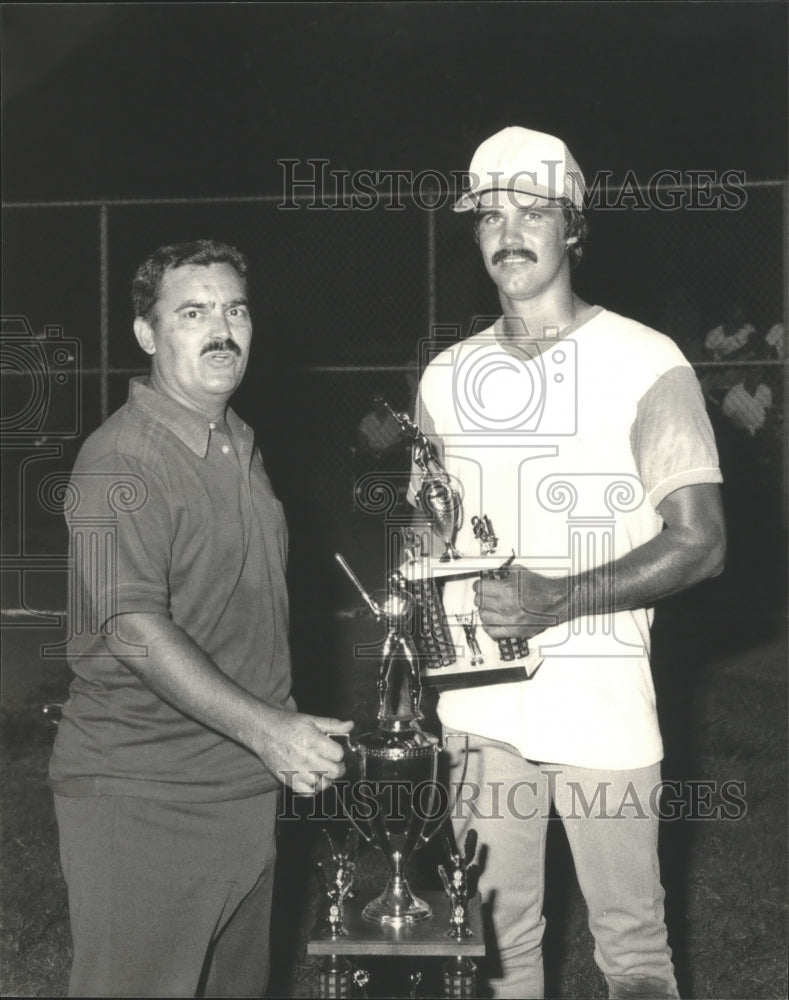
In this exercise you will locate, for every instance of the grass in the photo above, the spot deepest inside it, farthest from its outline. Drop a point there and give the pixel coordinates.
(35, 944)
(722, 692)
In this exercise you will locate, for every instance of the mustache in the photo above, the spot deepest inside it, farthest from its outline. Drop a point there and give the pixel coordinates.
(501, 255)
(218, 344)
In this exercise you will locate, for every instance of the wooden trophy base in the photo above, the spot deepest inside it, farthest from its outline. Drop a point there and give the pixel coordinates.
(425, 938)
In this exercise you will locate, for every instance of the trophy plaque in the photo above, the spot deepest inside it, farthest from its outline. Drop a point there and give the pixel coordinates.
(455, 649)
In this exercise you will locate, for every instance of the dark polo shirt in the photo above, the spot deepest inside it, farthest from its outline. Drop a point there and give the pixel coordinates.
(172, 515)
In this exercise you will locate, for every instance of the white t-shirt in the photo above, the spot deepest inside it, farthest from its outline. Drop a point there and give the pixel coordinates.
(569, 453)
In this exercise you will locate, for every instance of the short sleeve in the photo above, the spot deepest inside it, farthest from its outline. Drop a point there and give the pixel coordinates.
(671, 438)
(120, 540)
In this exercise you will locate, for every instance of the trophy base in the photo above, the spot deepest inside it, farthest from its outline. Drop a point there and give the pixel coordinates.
(397, 906)
(445, 677)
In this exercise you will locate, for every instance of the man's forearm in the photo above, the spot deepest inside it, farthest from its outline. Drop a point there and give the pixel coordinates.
(177, 670)
(666, 565)
(294, 746)
(690, 549)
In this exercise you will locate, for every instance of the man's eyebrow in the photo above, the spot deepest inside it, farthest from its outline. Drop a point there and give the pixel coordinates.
(191, 304)
(198, 304)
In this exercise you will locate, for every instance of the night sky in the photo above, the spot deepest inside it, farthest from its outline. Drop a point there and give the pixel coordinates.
(202, 100)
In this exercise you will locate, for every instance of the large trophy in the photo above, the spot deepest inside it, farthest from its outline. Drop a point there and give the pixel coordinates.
(395, 767)
(440, 501)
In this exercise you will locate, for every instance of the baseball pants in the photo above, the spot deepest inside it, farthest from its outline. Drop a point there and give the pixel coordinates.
(612, 826)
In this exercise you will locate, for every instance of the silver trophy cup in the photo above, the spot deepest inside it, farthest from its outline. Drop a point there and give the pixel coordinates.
(397, 803)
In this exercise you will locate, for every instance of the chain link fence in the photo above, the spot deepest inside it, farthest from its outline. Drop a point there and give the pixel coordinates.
(342, 300)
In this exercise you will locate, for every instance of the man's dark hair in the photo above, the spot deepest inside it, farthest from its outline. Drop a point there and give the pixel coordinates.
(148, 279)
(575, 226)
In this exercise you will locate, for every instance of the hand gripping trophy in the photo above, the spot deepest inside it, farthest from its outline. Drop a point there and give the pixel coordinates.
(397, 763)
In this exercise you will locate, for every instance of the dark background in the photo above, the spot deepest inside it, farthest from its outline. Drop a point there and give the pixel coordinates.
(190, 100)
(161, 113)
(126, 125)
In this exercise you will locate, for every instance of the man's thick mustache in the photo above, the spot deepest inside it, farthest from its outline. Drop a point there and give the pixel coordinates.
(501, 255)
(221, 345)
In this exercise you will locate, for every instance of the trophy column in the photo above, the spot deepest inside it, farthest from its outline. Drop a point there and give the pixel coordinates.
(459, 977)
(335, 976)
(422, 940)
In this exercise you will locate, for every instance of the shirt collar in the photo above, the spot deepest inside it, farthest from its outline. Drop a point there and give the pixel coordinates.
(505, 324)
(188, 426)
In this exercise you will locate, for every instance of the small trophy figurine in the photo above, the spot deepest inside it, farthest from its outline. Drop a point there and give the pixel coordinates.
(361, 977)
(437, 497)
(399, 657)
(459, 974)
(412, 546)
(483, 532)
(469, 630)
(338, 881)
(399, 682)
(460, 883)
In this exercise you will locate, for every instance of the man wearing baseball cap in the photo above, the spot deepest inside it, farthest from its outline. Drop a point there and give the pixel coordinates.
(582, 435)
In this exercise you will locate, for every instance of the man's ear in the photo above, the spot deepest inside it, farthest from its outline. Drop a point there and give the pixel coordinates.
(143, 331)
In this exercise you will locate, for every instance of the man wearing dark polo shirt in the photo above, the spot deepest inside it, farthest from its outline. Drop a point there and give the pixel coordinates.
(180, 725)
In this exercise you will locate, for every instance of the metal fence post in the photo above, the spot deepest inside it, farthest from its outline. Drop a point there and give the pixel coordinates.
(104, 349)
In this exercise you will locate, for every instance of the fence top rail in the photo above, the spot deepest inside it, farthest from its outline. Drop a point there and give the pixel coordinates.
(337, 197)
(11, 373)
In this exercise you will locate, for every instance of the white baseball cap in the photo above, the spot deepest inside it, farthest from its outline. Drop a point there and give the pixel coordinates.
(523, 161)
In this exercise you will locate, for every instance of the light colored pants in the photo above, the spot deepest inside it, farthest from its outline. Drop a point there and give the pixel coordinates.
(168, 899)
(612, 829)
